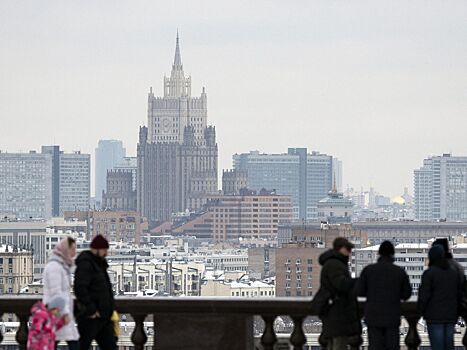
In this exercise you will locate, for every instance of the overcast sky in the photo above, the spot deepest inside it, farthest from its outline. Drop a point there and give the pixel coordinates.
(379, 84)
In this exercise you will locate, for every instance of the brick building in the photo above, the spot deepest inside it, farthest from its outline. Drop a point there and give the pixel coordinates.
(249, 215)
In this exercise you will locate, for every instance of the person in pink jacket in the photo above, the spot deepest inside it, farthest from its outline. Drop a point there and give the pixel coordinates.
(45, 321)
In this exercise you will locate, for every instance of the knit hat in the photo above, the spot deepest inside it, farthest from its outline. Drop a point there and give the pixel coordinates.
(99, 242)
(56, 302)
(340, 242)
(386, 249)
(443, 242)
(436, 252)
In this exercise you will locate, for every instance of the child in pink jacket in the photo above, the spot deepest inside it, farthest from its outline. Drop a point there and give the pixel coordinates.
(46, 320)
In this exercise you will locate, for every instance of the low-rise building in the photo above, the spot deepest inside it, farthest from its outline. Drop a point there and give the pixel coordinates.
(219, 286)
(16, 268)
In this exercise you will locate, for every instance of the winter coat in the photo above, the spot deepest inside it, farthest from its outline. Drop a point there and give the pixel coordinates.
(440, 293)
(92, 286)
(57, 281)
(342, 319)
(384, 285)
(43, 326)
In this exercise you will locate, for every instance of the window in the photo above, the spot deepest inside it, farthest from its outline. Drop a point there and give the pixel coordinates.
(310, 269)
(309, 261)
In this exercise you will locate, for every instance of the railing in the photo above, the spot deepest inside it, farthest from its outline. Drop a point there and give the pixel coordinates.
(209, 323)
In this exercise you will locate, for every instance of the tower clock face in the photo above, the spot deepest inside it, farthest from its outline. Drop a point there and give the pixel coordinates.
(166, 125)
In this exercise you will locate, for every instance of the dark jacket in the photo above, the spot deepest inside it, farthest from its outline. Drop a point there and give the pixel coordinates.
(384, 285)
(439, 293)
(342, 318)
(92, 286)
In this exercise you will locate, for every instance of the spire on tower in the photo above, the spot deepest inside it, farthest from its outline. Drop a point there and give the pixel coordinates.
(177, 59)
(334, 186)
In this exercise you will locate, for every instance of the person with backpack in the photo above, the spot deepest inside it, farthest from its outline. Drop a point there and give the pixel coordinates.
(46, 320)
(384, 285)
(95, 298)
(439, 297)
(341, 321)
(57, 281)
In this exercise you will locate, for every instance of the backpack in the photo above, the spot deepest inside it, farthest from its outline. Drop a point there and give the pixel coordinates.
(322, 301)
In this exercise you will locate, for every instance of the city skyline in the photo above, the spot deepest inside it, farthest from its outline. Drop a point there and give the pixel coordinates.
(401, 67)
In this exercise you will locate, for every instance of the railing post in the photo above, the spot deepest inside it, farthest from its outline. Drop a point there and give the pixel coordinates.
(297, 338)
(323, 341)
(464, 338)
(139, 337)
(412, 339)
(268, 339)
(22, 333)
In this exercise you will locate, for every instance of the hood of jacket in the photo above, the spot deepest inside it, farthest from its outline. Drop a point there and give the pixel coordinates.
(37, 307)
(87, 255)
(332, 254)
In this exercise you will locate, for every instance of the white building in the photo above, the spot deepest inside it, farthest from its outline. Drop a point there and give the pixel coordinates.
(26, 185)
(440, 189)
(218, 284)
(75, 179)
(174, 278)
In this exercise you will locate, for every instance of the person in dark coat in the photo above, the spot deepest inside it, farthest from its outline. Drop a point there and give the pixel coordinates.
(438, 299)
(94, 296)
(341, 324)
(384, 285)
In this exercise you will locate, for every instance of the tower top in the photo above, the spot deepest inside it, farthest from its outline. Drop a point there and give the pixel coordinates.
(177, 58)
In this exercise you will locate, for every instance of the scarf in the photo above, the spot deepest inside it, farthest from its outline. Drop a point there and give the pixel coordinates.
(63, 250)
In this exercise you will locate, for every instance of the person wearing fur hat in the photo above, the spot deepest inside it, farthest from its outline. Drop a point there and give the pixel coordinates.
(439, 296)
(94, 295)
(384, 285)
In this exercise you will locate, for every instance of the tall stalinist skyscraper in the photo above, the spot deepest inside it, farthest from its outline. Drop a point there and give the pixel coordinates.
(168, 116)
(177, 152)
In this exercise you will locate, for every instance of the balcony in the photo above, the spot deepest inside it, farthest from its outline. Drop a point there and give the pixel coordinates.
(211, 323)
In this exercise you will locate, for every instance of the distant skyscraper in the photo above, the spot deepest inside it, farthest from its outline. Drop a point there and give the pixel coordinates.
(108, 154)
(177, 152)
(26, 185)
(307, 178)
(70, 180)
(440, 189)
(75, 181)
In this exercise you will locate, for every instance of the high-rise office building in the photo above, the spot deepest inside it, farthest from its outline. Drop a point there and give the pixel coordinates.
(108, 154)
(177, 152)
(26, 185)
(71, 175)
(306, 177)
(440, 189)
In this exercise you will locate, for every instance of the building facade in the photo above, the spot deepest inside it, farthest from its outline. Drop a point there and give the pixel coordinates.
(307, 178)
(249, 215)
(71, 180)
(118, 226)
(335, 209)
(233, 181)
(177, 152)
(75, 181)
(16, 268)
(440, 189)
(297, 269)
(107, 154)
(26, 185)
(119, 193)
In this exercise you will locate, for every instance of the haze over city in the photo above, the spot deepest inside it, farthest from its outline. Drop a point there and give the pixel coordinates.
(379, 85)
